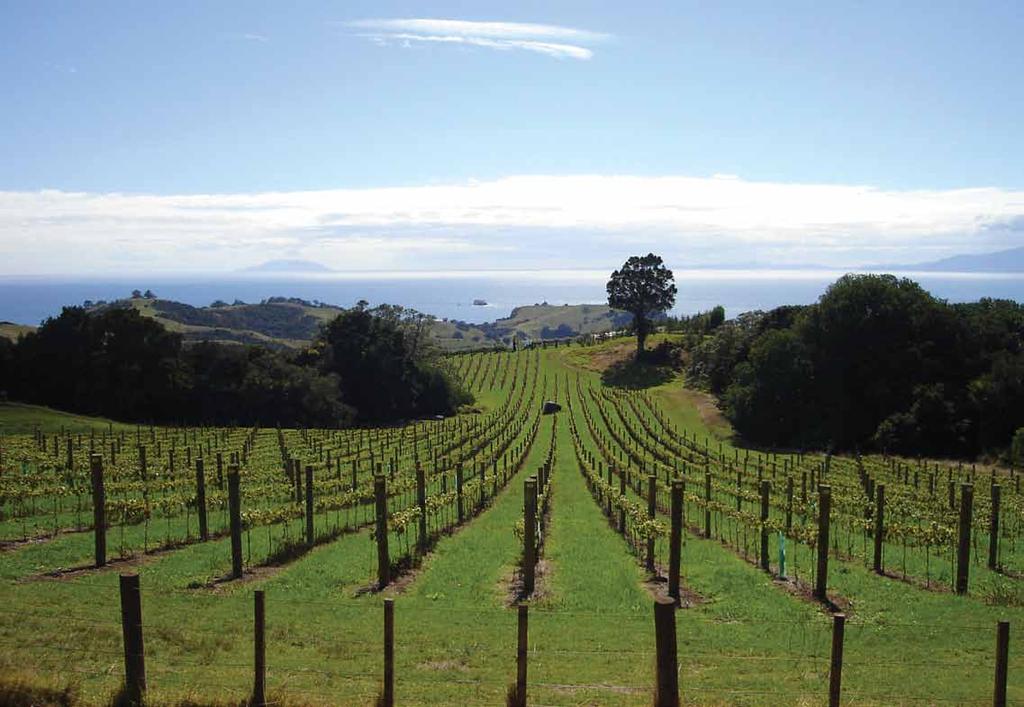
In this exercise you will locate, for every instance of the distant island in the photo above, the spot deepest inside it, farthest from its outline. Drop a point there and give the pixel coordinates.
(288, 266)
(1011, 260)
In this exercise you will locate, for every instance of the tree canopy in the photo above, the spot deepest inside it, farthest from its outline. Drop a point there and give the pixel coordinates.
(644, 287)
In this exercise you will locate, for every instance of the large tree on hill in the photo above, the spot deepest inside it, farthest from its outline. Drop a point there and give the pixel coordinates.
(644, 287)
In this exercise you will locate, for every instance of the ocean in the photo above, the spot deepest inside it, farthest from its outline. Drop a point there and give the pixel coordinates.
(29, 300)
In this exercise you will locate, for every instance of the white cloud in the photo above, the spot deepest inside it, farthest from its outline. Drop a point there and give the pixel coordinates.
(551, 40)
(522, 221)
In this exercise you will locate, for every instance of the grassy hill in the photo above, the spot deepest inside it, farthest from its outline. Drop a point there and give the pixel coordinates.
(16, 418)
(9, 330)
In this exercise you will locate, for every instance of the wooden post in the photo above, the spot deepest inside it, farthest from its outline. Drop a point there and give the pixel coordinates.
(220, 471)
(707, 503)
(963, 553)
(310, 530)
(259, 688)
(652, 507)
(667, 693)
(458, 492)
(389, 649)
(421, 501)
(235, 513)
(609, 499)
(99, 509)
(993, 528)
(204, 532)
(131, 630)
(789, 504)
(380, 492)
(622, 492)
(824, 514)
(521, 655)
(879, 528)
(675, 540)
(529, 534)
(835, 673)
(765, 490)
(1002, 663)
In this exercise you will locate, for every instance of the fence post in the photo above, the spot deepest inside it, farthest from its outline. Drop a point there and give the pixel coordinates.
(675, 540)
(389, 652)
(310, 530)
(824, 514)
(879, 527)
(789, 504)
(99, 509)
(667, 693)
(131, 630)
(1002, 663)
(421, 501)
(204, 532)
(458, 491)
(993, 529)
(835, 673)
(235, 512)
(529, 534)
(259, 689)
(622, 509)
(380, 492)
(765, 490)
(521, 655)
(652, 507)
(963, 553)
(707, 503)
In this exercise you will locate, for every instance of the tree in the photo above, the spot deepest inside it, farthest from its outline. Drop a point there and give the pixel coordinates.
(644, 287)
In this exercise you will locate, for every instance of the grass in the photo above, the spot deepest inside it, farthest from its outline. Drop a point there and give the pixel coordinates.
(17, 418)
(746, 641)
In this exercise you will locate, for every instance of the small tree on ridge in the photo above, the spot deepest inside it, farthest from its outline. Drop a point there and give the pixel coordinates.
(644, 287)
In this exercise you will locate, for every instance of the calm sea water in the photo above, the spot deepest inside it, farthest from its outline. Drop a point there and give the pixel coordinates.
(30, 300)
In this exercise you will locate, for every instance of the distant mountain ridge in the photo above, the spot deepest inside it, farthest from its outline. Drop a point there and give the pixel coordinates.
(1011, 260)
(288, 266)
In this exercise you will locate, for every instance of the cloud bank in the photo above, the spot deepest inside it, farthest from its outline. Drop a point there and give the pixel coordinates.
(583, 221)
(551, 40)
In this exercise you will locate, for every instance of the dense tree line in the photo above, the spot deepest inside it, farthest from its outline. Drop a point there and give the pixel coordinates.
(367, 364)
(876, 363)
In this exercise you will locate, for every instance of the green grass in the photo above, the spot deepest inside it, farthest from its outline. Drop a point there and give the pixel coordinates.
(16, 418)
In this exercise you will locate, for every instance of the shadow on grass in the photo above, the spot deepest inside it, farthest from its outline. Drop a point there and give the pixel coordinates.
(637, 375)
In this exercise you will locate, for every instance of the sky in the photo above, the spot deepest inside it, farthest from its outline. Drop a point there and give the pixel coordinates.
(199, 136)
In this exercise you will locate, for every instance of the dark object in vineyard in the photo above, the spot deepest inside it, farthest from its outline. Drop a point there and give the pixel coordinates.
(824, 518)
(259, 689)
(99, 511)
(551, 407)
(667, 694)
(963, 552)
(235, 513)
(835, 672)
(388, 693)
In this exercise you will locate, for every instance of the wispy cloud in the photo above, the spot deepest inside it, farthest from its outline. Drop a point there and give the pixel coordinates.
(582, 221)
(254, 37)
(551, 40)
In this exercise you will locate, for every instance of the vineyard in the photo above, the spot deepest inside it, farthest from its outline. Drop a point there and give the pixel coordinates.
(419, 541)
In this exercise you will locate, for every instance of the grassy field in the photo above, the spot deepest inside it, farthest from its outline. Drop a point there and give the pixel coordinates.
(746, 636)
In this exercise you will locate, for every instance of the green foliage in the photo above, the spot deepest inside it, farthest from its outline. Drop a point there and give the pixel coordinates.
(1017, 448)
(643, 287)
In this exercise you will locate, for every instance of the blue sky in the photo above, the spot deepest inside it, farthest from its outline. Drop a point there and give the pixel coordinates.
(151, 135)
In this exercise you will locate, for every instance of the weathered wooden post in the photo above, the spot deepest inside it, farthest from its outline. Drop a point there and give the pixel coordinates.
(622, 493)
(652, 507)
(963, 554)
(765, 491)
(879, 528)
(310, 530)
(707, 503)
(220, 471)
(824, 516)
(1002, 663)
(259, 688)
(380, 492)
(235, 513)
(608, 512)
(99, 509)
(388, 698)
(529, 534)
(421, 502)
(458, 492)
(131, 630)
(835, 673)
(667, 693)
(522, 647)
(789, 504)
(204, 532)
(675, 540)
(993, 528)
